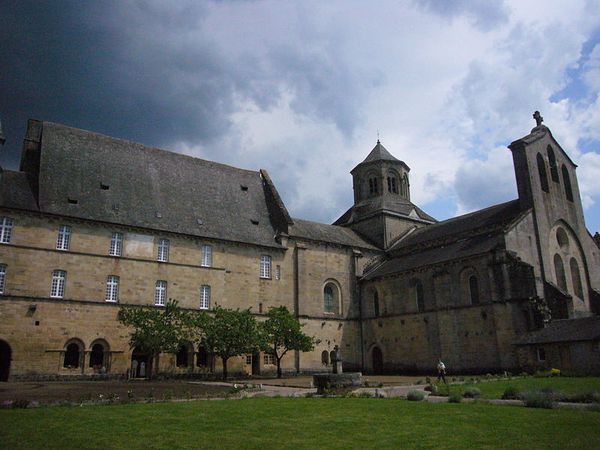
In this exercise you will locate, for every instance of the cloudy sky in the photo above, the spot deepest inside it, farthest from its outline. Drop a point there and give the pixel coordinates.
(302, 88)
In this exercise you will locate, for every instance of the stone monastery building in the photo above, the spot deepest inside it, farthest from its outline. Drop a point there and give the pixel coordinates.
(91, 222)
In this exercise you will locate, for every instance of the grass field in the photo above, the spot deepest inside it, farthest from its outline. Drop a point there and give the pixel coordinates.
(564, 385)
(298, 423)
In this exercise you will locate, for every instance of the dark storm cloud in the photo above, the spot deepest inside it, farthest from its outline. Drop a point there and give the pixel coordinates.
(151, 73)
(96, 66)
(485, 14)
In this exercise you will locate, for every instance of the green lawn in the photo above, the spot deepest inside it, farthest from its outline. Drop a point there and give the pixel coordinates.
(564, 385)
(298, 423)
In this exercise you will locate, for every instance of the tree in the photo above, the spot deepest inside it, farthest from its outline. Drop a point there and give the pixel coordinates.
(155, 330)
(283, 332)
(228, 333)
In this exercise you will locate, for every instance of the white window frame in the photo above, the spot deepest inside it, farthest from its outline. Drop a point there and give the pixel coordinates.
(205, 296)
(116, 244)
(2, 278)
(265, 266)
(269, 359)
(206, 256)
(112, 289)
(59, 280)
(163, 250)
(63, 241)
(160, 293)
(6, 225)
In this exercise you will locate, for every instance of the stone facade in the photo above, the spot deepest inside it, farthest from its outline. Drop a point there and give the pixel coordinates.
(393, 288)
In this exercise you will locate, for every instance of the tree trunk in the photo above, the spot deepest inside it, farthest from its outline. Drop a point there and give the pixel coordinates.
(224, 367)
(278, 367)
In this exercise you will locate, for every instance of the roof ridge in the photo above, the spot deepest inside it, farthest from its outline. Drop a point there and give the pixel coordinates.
(151, 148)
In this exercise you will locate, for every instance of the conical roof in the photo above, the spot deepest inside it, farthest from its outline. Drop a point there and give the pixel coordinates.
(379, 153)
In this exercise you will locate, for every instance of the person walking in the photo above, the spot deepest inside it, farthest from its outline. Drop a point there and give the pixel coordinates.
(441, 367)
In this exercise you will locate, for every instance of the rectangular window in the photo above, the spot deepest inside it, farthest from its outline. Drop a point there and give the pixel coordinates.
(116, 244)
(278, 272)
(163, 250)
(269, 359)
(160, 293)
(112, 288)
(206, 256)
(58, 284)
(2, 277)
(204, 296)
(265, 266)
(64, 237)
(249, 360)
(6, 224)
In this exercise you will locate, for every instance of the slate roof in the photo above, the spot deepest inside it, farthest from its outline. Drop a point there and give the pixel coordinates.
(460, 249)
(461, 237)
(15, 191)
(380, 153)
(127, 183)
(394, 205)
(494, 216)
(568, 330)
(327, 233)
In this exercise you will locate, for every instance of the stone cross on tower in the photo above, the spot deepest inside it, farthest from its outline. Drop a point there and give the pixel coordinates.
(538, 118)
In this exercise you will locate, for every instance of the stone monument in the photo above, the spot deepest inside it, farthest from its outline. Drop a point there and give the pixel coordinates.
(328, 381)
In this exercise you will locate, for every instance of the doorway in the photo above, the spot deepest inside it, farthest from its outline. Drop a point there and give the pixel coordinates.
(256, 363)
(5, 358)
(140, 364)
(377, 361)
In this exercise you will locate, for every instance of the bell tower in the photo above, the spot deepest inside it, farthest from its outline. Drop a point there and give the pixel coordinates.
(382, 208)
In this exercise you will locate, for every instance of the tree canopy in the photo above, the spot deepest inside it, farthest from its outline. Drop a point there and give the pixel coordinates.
(155, 330)
(229, 332)
(282, 332)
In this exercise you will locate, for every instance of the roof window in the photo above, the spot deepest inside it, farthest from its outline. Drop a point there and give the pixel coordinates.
(104, 187)
(243, 187)
(72, 201)
(255, 222)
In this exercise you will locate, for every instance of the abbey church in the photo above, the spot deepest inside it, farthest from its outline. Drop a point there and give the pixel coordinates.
(90, 222)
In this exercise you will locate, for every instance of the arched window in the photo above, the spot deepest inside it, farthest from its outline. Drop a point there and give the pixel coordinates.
(325, 358)
(474, 290)
(97, 356)
(331, 298)
(202, 357)
(72, 355)
(567, 182)
(419, 297)
(559, 268)
(542, 172)
(576, 278)
(373, 186)
(376, 304)
(182, 357)
(332, 356)
(562, 238)
(392, 184)
(553, 166)
(406, 186)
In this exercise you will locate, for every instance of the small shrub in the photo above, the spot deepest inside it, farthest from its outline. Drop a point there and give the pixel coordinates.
(455, 397)
(472, 393)
(443, 390)
(432, 388)
(427, 380)
(538, 399)
(415, 396)
(555, 372)
(419, 382)
(20, 403)
(510, 393)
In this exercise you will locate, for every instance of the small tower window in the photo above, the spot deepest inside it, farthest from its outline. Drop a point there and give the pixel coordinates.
(376, 304)
(474, 290)
(542, 173)
(559, 268)
(553, 166)
(419, 297)
(576, 278)
(392, 184)
(567, 182)
(373, 186)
